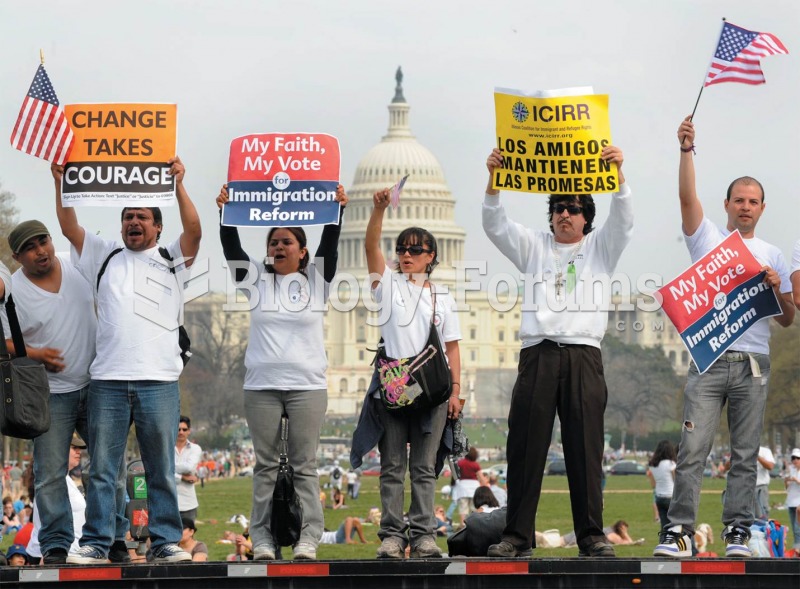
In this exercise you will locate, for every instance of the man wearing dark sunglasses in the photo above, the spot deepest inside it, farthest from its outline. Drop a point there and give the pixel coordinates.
(560, 366)
(739, 377)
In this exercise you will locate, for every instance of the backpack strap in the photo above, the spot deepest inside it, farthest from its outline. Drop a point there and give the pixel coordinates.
(165, 254)
(105, 265)
(162, 250)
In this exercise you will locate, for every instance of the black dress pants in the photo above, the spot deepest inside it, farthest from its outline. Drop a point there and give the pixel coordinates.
(567, 379)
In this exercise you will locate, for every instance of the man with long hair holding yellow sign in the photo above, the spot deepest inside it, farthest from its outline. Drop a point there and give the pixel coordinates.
(560, 366)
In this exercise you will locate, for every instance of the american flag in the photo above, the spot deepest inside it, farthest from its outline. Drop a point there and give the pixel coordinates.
(738, 55)
(42, 128)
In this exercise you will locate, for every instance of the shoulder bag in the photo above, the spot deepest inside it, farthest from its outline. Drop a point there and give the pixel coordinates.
(25, 410)
(286, 519)
(418, 382)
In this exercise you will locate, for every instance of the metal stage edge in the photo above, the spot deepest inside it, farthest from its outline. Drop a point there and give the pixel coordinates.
(456, 573)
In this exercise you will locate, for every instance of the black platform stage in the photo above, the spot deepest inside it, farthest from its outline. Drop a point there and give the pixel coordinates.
(441, 574)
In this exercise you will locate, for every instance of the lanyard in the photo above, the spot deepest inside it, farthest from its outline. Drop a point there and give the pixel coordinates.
(569, 285)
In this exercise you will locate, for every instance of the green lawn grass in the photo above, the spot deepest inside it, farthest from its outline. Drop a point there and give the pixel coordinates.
(626, 497)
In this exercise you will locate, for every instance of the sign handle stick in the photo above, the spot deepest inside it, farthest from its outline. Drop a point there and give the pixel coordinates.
(703, 85)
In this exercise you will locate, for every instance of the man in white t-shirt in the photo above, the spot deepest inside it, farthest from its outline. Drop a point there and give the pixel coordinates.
(560, 364)
(187, 457)
(795, 274)
(55, 308)
(134, 376)
(739, 377)
(765, 462)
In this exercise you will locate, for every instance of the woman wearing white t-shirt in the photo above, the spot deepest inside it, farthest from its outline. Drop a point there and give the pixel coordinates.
(406, 293)
(792, 482)
(285, 368)
(661, 473)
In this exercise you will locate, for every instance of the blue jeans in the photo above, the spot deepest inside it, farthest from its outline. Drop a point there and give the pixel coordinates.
(706, 394)
(50, 461)
(68, 413)
(662, 503)
(154, 408)
(795, 527)
(306, 411)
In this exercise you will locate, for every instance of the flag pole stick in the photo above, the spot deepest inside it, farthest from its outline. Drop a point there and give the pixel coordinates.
(703, 85)
(41, 56)
(691, 118)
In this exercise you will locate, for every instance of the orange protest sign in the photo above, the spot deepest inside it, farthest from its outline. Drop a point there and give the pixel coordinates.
(120, 154)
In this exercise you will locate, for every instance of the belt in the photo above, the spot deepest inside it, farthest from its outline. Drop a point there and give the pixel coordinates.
(736, 356)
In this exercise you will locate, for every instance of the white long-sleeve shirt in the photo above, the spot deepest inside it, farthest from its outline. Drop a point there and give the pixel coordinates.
(582, 318)
(186, 461)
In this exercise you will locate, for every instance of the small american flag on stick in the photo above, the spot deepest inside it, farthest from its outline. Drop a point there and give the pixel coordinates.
(42, 128)
(738, 55)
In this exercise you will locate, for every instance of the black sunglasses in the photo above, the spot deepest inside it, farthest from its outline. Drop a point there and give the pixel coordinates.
(414, 250)
(571, 209)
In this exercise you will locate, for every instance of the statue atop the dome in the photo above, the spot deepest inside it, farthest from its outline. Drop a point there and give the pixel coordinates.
(398, 90)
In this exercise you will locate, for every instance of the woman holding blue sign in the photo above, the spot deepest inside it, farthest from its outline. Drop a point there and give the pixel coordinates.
(419, 320)
(286, 365)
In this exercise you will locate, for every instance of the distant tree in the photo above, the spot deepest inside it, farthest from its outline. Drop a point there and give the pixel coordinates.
(212, 381)
(643, 389)
(8, 220)
(783, 403)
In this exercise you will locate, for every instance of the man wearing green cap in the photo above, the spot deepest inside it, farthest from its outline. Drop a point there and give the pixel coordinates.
(55, 308)
(134, 377)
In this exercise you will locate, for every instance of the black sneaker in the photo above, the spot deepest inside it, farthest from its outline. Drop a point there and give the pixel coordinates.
(119, 552)
(55, 556)
(598, 550)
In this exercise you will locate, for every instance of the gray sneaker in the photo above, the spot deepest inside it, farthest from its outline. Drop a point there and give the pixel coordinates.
(426, 548)
(597, 550)
(304, 551)
(393, 548)
(264, 551)
(506, 549)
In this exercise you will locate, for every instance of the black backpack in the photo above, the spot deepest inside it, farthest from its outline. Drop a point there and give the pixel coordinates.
(183, 338)
(480, 531)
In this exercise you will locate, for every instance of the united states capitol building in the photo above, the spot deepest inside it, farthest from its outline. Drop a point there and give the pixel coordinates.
(490, 344)
(490, 338)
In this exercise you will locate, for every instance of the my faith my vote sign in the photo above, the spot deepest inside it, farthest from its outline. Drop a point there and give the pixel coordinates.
(282, 179)
(715, 301)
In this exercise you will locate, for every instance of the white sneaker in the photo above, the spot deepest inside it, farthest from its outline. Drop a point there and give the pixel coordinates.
(264, 551)
(674, 543)
(305, 551)
(736, 543)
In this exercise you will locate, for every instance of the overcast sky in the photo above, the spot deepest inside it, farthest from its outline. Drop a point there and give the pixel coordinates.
(239, 67)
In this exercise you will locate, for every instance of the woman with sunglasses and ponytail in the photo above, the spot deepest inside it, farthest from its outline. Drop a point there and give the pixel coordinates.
(285, 367)
(408, 302)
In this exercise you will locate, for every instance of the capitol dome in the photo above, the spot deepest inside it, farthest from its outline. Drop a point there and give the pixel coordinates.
(426, 200)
